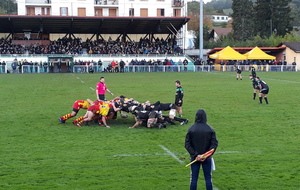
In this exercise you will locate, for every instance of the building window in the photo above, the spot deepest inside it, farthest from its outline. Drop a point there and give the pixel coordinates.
(131, 11)
(45, 11)
(98, 12)
(144, 12)
(112, 12)
(64, 11)
(30, 11)
(160, 12)
(177, 12)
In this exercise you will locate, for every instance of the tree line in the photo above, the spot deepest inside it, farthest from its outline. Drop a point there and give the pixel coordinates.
(8, 7)
(254, 22)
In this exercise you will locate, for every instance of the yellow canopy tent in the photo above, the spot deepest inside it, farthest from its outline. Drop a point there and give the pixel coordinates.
(257, 53)
(228, 54)
(215, 55)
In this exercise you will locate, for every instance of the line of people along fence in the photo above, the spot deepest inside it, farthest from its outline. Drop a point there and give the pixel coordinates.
(146, 68)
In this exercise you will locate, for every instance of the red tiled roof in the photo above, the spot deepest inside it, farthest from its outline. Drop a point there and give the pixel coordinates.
(222, 31)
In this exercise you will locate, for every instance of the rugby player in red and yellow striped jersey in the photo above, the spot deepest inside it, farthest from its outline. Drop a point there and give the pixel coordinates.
(94, 110)
(78, 104)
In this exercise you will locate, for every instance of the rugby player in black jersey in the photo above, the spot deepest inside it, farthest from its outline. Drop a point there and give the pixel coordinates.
(255, 86)
(264, 90)
(178, 97)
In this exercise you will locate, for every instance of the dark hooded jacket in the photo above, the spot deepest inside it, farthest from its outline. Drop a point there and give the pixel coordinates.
(200, 137)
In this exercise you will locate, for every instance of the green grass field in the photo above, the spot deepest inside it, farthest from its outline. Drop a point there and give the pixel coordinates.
(258, 144)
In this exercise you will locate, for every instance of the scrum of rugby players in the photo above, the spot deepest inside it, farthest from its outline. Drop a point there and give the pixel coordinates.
(145, 114)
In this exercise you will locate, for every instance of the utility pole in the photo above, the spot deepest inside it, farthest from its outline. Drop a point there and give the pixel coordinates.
(201, 30)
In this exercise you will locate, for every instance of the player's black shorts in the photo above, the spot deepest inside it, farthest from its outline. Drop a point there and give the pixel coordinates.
(75, 110)
(264, 91)
(144, 123)
(179, 104)
(167, 107)
(101, 96)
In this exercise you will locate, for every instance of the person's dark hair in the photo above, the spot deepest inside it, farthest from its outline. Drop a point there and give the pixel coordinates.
(178, 81)
(101, 78)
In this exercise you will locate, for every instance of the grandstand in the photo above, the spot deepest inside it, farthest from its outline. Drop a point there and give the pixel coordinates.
(36, 45)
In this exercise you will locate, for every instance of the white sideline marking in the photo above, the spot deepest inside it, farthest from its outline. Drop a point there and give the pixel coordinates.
(84, 82)
(171, 153)
(289, 81)
(155, 154)
(283, 80)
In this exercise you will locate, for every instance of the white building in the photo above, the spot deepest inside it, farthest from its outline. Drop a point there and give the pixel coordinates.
(220, 18)
(136, 8)
(108, 8)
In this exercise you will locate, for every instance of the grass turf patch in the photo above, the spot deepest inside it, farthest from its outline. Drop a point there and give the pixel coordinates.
(258, 144)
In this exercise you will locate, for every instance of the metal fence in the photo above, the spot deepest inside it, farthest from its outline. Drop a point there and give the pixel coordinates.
(146, 68)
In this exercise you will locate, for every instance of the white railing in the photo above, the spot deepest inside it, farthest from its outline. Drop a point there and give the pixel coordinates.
(38, 1)
(181, 68)
(106, 2)
(145, 68)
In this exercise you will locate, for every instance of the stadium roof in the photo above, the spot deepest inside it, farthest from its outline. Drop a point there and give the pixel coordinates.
(90, 24)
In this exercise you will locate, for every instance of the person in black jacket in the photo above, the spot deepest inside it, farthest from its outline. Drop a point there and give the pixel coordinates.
(201, 142)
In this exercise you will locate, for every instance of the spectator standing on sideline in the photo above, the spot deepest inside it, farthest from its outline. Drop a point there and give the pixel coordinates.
(122, 65)
(178, 97)
(185, 63)
(20, 66)
(59, 66)
(101, 88)
(14, 65)
(99, 65)
(3, 67)
(45, 65)
(201, 139)
(294, 66)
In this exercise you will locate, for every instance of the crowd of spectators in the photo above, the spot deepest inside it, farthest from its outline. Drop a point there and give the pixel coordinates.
(143, 46)
(77, 46)
(60, 46)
